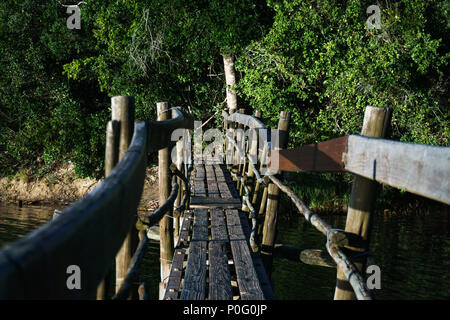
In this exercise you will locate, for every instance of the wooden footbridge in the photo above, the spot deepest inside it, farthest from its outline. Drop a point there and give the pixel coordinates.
(217, 216)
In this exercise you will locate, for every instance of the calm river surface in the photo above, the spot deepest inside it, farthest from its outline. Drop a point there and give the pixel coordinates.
(412, 251)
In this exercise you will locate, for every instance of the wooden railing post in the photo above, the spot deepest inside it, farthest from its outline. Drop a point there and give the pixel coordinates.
(253, 150)
(123, 111)
(362, 199)
(230, 131)
(270, 221)
(239, 139)
(166, 223)
(111, 159)
(179, 164)
(262, 203)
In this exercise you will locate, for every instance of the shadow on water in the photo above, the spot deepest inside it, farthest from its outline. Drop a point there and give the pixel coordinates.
(412, 250)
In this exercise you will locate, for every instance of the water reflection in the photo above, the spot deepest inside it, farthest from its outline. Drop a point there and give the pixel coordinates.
(16, 222)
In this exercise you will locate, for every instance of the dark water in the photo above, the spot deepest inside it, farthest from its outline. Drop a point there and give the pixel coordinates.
(412, 251)
(15, 222)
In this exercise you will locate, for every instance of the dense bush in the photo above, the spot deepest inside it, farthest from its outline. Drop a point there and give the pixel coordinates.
(44, 118)
(313, 58)
(320, 62)
(57, 82)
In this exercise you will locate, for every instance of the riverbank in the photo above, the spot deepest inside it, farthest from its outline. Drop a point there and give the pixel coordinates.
(61, 188)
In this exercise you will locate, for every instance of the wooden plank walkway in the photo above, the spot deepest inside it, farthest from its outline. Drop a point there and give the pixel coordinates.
(213, 260)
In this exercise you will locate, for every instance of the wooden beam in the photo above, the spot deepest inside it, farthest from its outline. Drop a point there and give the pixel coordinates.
(319, 157)
(264, 280)
(419, 169)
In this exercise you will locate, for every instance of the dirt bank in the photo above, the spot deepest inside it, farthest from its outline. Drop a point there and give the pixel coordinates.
(62, 188)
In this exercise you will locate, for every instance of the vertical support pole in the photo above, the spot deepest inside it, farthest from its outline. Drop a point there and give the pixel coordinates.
(230, 147)
(263, 202)
(166, 223)
(254, 154)
(270, 222)
(362, 199)
(239, 139)
(179, 164)
(112, 146)
(225, 142)
(123, 111)
(253, 151)
(111, 159)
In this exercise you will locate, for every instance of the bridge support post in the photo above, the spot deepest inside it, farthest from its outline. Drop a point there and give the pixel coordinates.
(362, 199)
(179, 163)
(237, 158)
(166, 223)
(123, 111)
(111, 159)
(273, 195)
(229, 132)
(257, 184)
(249, 181)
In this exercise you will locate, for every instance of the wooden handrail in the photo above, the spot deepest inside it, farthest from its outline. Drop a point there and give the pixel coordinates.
(89, 233)
(417, 168)
(160, 131)
(244, 119)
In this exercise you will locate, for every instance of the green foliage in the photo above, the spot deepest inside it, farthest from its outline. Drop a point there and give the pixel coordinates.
(44, 119)
(320, 62)
(314, 58)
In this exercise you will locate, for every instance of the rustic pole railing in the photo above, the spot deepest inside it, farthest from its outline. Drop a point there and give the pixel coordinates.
(362, 200)
(166, 223)
(179, 165)
(111, 159)
(270, 221)
(123, 111)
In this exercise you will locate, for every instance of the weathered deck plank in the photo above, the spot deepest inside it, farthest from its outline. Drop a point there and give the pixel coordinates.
(249, 286)
(176, 272)
(211, 181)
(219, 272)
(257, 262)
(199, 181)
(225, 185)
(194, 287)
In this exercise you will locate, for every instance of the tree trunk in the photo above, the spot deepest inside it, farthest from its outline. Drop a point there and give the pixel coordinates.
(230, 78)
